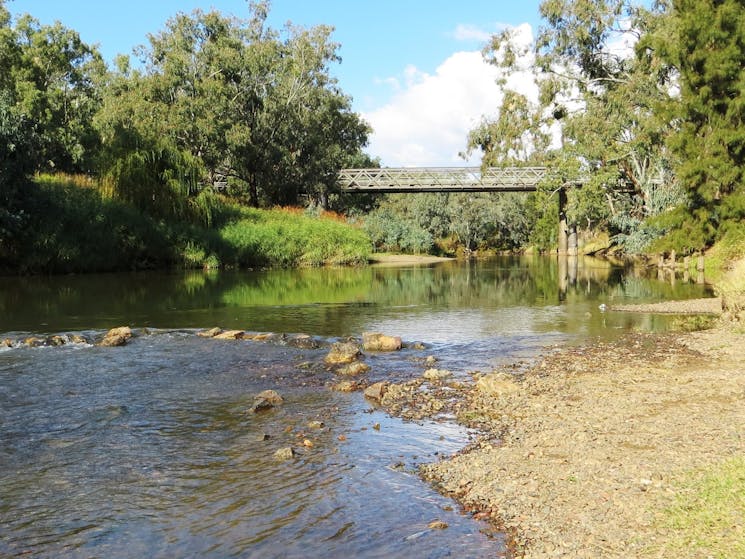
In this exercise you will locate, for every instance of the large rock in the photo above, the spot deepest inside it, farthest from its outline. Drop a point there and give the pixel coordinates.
(376, 391)
(287, 453)
(303, 341)
(437, 374)
(117, 337)
(353, 369)
(342, 352)
(496, 385)
(211, 333)
(265, 400)
(230, 335)
(373, 341)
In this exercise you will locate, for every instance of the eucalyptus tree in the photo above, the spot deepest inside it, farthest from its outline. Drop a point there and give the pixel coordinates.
(598, 101)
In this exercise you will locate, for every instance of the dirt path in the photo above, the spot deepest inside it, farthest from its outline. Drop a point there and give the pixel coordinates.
(593, 440)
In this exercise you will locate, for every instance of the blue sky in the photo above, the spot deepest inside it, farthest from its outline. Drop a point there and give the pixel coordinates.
(401, 59)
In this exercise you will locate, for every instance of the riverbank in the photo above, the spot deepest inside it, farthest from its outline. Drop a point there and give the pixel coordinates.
(584, 452)
(384, 259)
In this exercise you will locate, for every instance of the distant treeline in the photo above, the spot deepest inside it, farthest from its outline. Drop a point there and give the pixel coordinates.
(650, 97)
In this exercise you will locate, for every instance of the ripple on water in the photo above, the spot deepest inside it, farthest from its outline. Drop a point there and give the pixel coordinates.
(148, 450)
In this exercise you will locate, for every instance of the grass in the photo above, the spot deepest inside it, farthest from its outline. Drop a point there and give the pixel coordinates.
(708, 516)
(72, 224)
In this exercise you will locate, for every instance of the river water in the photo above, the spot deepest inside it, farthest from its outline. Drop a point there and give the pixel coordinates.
(147, 450)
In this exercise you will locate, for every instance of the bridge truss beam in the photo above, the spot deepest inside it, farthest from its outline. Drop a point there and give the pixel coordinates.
(441, 179)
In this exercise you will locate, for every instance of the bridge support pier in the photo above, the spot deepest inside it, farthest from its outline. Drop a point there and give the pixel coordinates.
(567, 233)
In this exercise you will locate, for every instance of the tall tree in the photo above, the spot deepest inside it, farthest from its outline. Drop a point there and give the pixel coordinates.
(50, 74)
(604, 100)
(243, 102)
(705, 43)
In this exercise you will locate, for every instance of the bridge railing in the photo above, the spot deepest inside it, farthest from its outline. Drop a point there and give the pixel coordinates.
(441, 179)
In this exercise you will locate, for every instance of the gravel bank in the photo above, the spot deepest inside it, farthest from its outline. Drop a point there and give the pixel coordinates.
(582, 452)
(711, 305)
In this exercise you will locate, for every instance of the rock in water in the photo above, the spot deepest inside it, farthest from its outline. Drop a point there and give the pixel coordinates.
(117, 337)
(265, 400)
(303, 341)
(353, 369)
(211, 333)
(436, 374)
(271, 395)
(287, 453)
(373, 341)
(376, 391)
(346, 386)
(342, 352)
(230, 335)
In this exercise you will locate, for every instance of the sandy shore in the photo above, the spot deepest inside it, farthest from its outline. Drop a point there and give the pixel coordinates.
(583, 452)
(709, 305)
(405, 259)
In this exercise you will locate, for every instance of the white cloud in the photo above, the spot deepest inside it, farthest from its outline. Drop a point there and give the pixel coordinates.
(426, 123)
(465, 32)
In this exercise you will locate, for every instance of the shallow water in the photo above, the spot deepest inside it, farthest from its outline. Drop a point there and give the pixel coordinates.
(148, 449)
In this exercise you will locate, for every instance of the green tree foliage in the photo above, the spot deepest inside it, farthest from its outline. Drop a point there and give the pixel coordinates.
(46, 99)
(48, 77)
(604, 100)
(233, 101)
(704, 42)
(474, 221)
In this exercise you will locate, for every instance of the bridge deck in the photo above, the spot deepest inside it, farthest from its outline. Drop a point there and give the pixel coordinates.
(441, 179)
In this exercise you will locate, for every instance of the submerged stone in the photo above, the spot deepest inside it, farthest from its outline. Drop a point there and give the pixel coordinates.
(353, 369)
(287, 453)
(265, 400)
(270, 395)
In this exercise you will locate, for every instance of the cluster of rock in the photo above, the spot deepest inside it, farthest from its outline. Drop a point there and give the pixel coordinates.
(302, 341)
(55, 340)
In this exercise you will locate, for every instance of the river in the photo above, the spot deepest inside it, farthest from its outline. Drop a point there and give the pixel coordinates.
(148, 450)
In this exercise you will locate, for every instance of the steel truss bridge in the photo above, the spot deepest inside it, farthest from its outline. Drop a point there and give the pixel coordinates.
(441, 179)
(460, 179)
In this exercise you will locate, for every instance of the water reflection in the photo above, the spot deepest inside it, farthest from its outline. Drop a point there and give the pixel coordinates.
(328, 301)
(147, 450)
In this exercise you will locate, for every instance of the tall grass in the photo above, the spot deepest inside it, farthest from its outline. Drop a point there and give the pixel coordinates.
(72, 224)
(288, 238)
